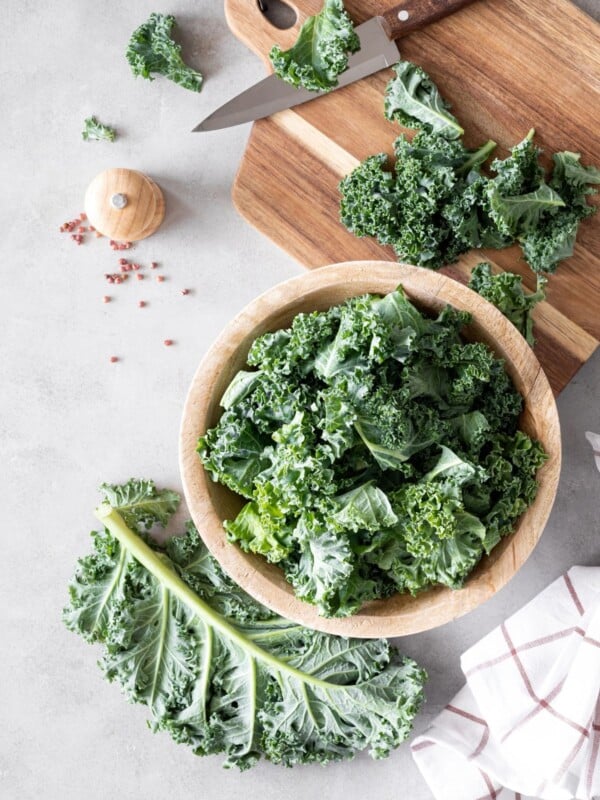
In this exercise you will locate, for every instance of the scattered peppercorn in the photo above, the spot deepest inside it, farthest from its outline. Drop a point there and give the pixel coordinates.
(154, 265)
(106, 299)
(115, 277)
(168, 342)
(113, 359)
(185, 291)
(160, 278)
(141, 303)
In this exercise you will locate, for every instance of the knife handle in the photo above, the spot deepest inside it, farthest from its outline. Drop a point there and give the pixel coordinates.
(412, 15)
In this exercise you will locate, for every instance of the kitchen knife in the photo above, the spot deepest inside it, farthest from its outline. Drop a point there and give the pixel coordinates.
(377, 51)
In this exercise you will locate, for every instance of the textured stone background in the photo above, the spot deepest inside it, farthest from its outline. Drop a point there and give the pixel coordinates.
(70, 420)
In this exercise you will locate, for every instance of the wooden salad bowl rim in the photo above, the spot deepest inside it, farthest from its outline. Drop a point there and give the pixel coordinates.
(209, 503)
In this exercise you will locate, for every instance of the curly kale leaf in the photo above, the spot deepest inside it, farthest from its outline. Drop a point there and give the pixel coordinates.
(413, 100)
(365, 508)
(368, 205)
(94, 131)
(435, 203)
(521, 172)
(223, 674)
(393, 430)
(255, 534)
(505, 291)
(511, 463)
(235, 451)
(320, 53)
(151, 51)
(140, 503)
(519, 214)
(407, 208)
(554, 239)
(323, 565)
(435, 542)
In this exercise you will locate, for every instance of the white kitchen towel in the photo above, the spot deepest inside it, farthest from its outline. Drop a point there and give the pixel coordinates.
(527, 724)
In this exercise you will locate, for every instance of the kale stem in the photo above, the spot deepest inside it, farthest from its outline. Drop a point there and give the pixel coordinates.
(478, 157)
(117, 527)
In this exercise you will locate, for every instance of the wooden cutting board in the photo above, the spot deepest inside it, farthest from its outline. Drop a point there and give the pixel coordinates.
(505, 65)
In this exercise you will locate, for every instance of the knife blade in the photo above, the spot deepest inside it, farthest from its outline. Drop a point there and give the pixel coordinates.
(273, 94)
(377, 51)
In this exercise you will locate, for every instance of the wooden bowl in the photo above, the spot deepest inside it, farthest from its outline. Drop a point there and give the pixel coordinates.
(210, 503)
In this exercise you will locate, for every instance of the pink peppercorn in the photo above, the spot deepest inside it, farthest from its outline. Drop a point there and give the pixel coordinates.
(106, 299)
(185, 291)
(168, 342)
(141, 303)
(160, 278)
(154, 265)
(113, 359)
(139, 276)
(83, 215)
(123, 261)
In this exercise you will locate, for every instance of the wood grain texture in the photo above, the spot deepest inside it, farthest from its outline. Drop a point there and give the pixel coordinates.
(210, 503)
(412, 15)
(140, 218)
(505, 65)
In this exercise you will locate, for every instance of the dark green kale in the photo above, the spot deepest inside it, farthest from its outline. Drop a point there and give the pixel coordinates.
(406, 208)
(320, 53)
(413, 100)
(94, 131)
(435, 203)
(218, 671)
(368, 206)
(554, 239)
(151, 51)
(505, 291)
(363, 443)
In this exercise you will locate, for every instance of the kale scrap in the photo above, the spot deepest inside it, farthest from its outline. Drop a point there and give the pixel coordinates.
(151, 51)
(320, 54)
(505, 291)
(96, 131)
(435, 202)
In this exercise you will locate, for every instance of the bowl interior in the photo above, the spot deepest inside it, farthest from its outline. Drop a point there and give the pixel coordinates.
(210, 503)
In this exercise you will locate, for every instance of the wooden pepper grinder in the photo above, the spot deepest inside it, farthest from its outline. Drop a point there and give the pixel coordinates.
(124, 204)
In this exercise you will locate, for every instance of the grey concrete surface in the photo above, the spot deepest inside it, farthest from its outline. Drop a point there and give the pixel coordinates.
(69, 419)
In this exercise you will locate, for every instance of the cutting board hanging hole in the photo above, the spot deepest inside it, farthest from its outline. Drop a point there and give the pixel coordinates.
(279, 14)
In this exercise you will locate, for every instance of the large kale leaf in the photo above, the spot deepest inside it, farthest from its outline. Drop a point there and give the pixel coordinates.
(151, 51)
(320, 53)
(218, 671)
